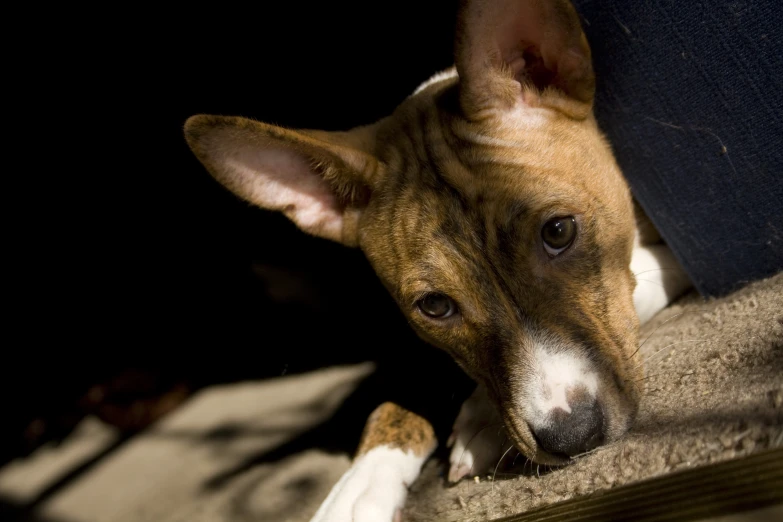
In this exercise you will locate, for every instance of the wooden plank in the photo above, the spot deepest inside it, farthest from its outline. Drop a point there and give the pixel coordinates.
(738, 485)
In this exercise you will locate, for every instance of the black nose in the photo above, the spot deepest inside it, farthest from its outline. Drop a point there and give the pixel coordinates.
(569, 434)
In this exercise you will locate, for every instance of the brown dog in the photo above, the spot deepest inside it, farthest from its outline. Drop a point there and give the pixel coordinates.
(492, 209)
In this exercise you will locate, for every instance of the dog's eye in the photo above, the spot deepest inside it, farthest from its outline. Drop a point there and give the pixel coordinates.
(437, 306)
(558, 234)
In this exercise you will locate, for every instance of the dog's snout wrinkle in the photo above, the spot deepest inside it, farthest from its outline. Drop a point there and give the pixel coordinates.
(572, 432)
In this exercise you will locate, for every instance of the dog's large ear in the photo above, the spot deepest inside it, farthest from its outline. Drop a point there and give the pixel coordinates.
(532, 52)
(320, 180)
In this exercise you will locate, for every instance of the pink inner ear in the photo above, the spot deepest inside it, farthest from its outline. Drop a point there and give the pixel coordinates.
(540, 42)
(284, 180)
(528, 49)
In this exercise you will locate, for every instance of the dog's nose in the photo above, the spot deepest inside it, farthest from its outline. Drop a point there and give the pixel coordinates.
(569, 434)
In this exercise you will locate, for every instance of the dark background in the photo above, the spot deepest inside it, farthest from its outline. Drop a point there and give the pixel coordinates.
(135, 273)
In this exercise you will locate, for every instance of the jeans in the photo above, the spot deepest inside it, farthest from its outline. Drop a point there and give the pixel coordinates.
(690, 93)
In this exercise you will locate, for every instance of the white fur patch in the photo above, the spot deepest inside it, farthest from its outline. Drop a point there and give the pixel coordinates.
(659, 279)
(557, 369)
(373, 488)
(471, 136)
(516, 123)
(524, 118)
(445, 74)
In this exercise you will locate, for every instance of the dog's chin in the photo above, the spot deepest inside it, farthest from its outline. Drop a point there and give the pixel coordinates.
(621, 408)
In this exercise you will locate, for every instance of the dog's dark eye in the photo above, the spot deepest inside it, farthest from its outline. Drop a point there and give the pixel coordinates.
(558, 234)
(437, 306)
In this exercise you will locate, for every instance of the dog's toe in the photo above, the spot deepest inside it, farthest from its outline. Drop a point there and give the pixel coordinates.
(479, 438)
(458, 471)
(476, 453)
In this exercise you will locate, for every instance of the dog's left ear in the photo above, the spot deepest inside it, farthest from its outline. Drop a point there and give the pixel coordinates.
(512, 53)
(320, 180)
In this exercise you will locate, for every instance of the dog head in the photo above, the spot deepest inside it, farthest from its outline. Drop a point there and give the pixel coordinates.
(492, 209)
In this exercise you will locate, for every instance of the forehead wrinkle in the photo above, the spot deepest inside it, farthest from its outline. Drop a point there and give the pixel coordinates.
(444, 267)
(521, 169)
(491, 264)
(489, 172)
(462, 241)
(448, 170)
(456, 259)
(510, 250)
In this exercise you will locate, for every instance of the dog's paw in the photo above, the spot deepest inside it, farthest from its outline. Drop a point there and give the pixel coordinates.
(373, 489)
(660, 279)
(478, 439)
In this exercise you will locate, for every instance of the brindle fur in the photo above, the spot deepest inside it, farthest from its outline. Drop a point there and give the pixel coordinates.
(449, 195)
(395, 427)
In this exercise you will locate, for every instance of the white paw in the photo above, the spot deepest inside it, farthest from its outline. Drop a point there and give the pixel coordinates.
(373, 489)
(659, 280)
(479, 438)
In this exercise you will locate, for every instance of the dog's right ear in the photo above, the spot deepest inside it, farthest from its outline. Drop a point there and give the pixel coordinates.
(513, 54)
(320, 180)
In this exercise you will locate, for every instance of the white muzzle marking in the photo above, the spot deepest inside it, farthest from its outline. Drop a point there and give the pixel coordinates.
(557, 370)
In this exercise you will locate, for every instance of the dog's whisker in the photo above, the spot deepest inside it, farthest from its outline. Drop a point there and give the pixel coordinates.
(648, 359)
(513, 462)
(467, 445)
(651, 282)
(655, 270)
(660, 325)
(647, 377)
(509, 473)
(498, 465)
(597, 450)
(584, 454)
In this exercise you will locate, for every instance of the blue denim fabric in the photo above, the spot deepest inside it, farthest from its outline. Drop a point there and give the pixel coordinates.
(690, 94)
